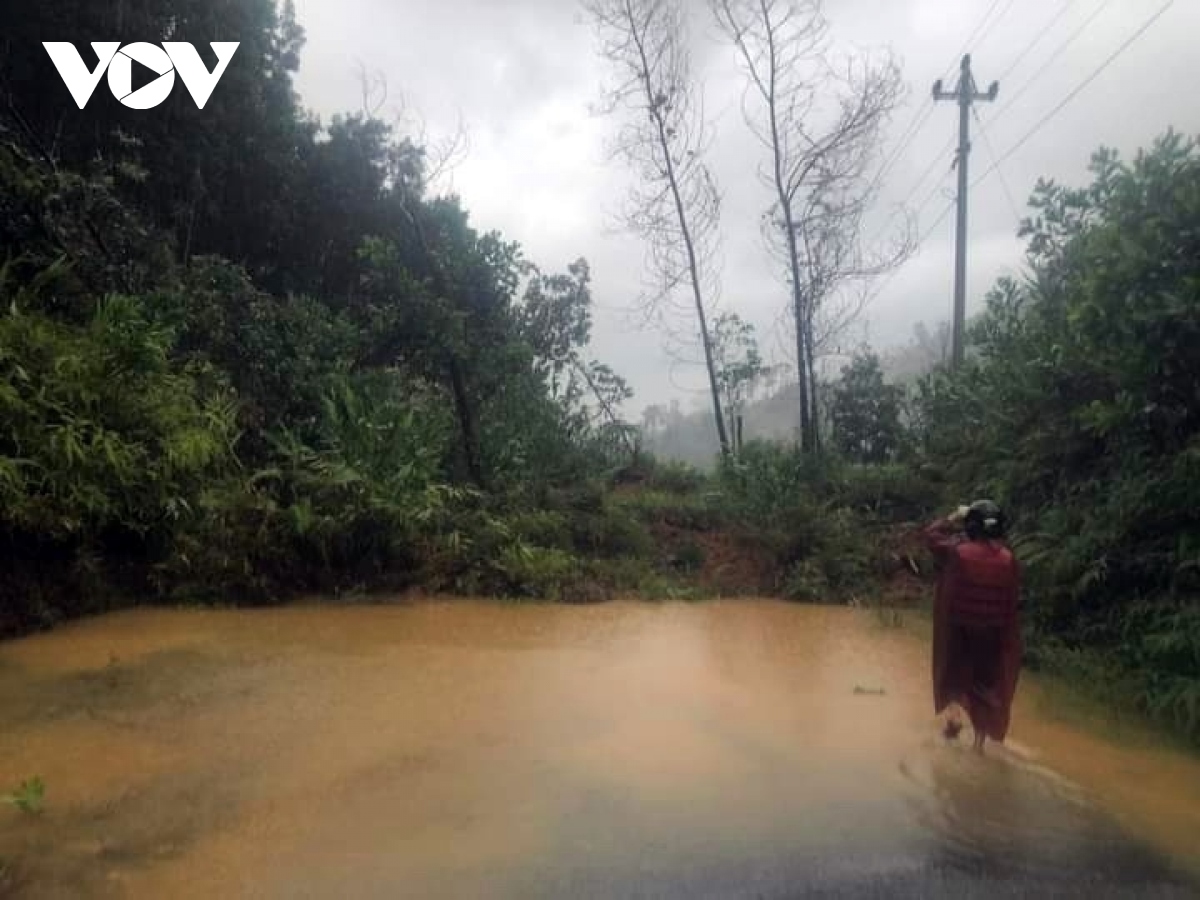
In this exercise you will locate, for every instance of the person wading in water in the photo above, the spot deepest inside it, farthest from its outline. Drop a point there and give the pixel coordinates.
(976, 624)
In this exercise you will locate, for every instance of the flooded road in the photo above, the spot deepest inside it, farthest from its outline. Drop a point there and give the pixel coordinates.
(461, 750)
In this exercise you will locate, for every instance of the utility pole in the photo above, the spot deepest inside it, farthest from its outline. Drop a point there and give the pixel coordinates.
(966, 94)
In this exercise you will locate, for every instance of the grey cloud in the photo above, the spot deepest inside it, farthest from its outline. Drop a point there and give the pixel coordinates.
(522, 75)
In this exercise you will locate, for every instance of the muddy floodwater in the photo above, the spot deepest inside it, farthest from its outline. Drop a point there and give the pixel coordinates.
(463, 750)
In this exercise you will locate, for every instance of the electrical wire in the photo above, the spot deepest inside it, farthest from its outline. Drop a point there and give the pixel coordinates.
(1042, 33)
(983, 26)
(979, 32)
(937, 189)
(987, 142)
(940, 158)
(1058, 51)
(934, 162)
(1129, 42)
(999, 161)
(910, 133)
(925, 235)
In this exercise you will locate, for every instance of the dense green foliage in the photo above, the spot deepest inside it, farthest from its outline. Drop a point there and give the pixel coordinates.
(244, 354)
(826, 521)
(865, 412)
(1079, 410)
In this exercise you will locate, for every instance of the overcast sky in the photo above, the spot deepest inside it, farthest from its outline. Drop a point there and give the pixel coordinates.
(520, 75)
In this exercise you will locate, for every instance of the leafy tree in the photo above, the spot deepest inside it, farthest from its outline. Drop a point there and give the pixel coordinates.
(739, 368)
(218, 179)
(244, 352)
(459, 329)
(555, 319)
(865, 412)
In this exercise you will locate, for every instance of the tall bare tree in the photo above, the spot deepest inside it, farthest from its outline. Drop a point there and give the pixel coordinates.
(819, 119)
(674, 205)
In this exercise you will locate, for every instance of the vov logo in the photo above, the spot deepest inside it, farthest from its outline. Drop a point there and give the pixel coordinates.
(118, 61)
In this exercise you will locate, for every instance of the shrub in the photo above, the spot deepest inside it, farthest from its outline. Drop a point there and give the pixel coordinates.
(614, 533)
(536, 572)
(890, 492)
(695, 512)
(105, 451)
(690, 556)
(806, 582)
(675, 477)
(544, 528)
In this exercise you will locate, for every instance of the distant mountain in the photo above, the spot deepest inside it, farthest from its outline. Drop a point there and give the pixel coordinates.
(691, 437)
(671, 433)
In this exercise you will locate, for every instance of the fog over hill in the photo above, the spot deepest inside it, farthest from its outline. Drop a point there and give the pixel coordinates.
(685, 432)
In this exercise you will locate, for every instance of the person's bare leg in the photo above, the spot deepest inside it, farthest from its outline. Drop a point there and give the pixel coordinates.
(978, 725)
(953, 724)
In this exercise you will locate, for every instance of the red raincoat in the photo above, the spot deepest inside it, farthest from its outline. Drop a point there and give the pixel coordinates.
(976, 628)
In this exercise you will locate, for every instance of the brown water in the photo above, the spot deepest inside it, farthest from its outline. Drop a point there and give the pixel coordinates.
(475, 750)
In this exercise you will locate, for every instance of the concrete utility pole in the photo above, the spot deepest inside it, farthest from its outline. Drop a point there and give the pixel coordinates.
(965, 94)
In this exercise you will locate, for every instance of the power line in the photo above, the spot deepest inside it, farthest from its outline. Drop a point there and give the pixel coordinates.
(939, 158)
(915, 125)
(967, 43)
(938, 188)
(1078, 89)
(936, 222)
(921, 240)
(1058, 51)
(984, 25)
(1042, 32)
(925, 235)
(987, 141)
(998, 161)
(926, 110)
(979, 27)
(965, 97)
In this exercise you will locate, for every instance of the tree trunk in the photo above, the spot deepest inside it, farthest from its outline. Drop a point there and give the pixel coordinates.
(814, 415)
(466, 423)
(694, 271)
(722, 435)
(803, 348)
(609, 413)
(800, 307)
(685, 232)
